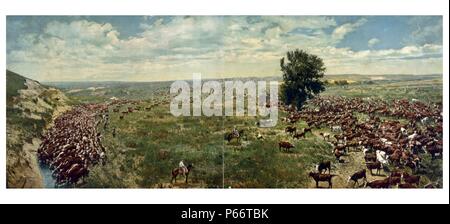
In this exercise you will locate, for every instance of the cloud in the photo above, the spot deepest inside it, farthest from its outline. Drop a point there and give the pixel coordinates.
(167, 48)
(372, 42)
(427, 30)
(341, 31)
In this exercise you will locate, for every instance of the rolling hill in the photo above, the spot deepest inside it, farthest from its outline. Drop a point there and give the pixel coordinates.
(30, 107)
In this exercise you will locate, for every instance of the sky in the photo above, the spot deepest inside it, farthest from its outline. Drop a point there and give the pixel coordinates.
(159, 48)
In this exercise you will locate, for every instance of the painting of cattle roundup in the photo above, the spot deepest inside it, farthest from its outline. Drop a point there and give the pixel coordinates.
(224, 102)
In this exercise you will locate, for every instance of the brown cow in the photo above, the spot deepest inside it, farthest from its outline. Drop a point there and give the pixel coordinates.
(291, 130)
(379, 183)
(393, 181)
(306, 130)
(370, 157)
(338, 155)
(322, 178)
(411, 179)
(372, 166)
(358, 175)
(285, 145)
(324, 165)
(299, 135)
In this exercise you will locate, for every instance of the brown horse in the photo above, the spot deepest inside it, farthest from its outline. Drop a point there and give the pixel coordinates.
(230, 136)
(180, 171)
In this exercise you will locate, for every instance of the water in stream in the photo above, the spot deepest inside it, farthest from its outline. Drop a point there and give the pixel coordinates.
(47, 178)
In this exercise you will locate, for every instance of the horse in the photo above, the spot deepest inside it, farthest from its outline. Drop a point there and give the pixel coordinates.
(180, 171)
(230, 136)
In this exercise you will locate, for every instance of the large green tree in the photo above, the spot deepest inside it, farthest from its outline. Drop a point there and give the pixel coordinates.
(302, 76)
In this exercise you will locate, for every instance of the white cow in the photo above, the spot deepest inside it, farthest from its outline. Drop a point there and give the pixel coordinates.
(365, 150)
(404, 131)
(382, 158)
(413, 136)
(336, 128)
(425, 120)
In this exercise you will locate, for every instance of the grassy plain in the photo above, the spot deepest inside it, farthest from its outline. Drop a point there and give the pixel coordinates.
(149, 144)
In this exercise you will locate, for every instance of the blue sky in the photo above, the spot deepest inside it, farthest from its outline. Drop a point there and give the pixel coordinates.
(147, 48)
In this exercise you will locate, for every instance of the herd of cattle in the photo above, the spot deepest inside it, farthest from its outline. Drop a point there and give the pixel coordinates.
(389, 134)
(73, 144)
(373, 127)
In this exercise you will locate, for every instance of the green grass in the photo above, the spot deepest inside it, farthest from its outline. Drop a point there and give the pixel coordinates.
(149, 144)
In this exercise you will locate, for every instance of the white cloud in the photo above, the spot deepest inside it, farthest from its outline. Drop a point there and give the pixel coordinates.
(214, 46)
(427, 30)
(372, 42)
(340, 32)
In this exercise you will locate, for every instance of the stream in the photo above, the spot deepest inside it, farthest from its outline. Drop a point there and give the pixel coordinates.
(48, 181)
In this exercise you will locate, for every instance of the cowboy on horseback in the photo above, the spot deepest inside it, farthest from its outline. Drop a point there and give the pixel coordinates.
(235, 132)
(183, 167)
(183, 170)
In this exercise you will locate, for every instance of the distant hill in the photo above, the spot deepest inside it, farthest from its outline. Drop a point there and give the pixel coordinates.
(30, 108)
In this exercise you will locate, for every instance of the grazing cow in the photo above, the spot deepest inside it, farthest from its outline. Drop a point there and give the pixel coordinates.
(434, 151)
(413, 164)
(291, 130)
(411, 179)
(299, 135)
(425, 120)
(341, 148)
(379, 183)
(372, 166)
(306, 130)
(285, 145)
(322, 178)
(393, 181)
(396, 174)
(324, 166)
(338, 155)
(325, 135)
(336, 128)
(358, 175)
(370, 157)
(413, 136)
(121, 117)
(404, 131)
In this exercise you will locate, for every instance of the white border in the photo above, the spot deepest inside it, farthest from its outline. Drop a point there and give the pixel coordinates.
(228, 7)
